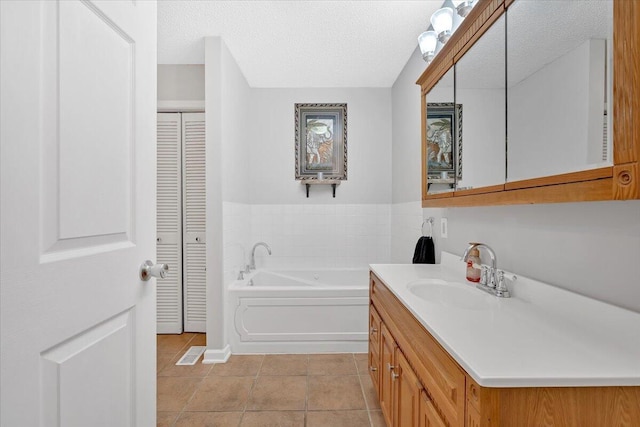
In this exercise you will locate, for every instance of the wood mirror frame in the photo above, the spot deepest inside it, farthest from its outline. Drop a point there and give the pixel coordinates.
(617, 182)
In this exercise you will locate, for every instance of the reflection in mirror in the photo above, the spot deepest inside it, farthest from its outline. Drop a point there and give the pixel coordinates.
(480, 89)
(442, 134)
(558, 85)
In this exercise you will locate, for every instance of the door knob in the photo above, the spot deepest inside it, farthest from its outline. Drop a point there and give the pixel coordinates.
(148, 270)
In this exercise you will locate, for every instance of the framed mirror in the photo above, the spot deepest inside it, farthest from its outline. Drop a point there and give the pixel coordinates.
(559, 82)
(480, 90)
(573, 103)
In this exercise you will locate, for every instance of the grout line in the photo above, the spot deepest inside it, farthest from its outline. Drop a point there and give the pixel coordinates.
(306, 395)
(255, 381)
(364, 396)
(189, 400)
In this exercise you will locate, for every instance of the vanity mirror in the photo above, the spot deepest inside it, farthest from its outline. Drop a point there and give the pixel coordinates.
(558, 55)
(573, 102)
(480, 89)
(443, 137)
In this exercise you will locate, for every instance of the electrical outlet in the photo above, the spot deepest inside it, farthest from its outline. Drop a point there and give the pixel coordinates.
(444, 228)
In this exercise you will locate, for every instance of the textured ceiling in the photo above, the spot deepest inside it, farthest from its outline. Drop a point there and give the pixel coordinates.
(299, 43)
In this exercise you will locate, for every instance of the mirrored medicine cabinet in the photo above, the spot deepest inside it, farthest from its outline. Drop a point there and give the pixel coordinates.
(534, 102)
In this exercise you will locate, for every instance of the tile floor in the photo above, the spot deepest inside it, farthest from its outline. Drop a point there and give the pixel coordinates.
(314, 390)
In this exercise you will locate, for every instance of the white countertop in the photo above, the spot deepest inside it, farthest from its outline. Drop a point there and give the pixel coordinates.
(542, 336)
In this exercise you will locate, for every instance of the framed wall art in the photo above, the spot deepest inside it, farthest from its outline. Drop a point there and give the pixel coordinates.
(444, 139)
(321, 141)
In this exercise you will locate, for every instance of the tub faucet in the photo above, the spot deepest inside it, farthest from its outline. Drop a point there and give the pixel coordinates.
(252, 263)
(495, 280)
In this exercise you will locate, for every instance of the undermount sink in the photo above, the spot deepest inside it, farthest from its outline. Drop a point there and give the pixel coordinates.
(450, 294)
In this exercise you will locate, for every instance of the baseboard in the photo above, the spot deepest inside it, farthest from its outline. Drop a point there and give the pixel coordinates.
(217, 356)
(300, 347)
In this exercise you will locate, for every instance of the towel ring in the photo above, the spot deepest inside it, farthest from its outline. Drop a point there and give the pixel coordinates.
(430, 222)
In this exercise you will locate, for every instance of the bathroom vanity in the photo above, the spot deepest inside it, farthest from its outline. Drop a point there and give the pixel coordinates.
(443, 353)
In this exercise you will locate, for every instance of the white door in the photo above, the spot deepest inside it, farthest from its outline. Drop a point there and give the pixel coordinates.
(78, 102)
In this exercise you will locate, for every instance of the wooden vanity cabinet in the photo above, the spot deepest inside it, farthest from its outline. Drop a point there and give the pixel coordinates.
(404, 399)
(420, 384)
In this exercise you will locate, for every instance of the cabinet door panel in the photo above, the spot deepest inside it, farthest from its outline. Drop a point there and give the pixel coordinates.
(429, 417)
(387, 348)
(374, 369)
(406, 393)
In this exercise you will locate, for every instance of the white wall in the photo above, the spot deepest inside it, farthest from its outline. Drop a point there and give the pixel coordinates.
(272, 158)
(405, 119)
(181, 82)
(406, 209)
(214, 147)
(321, 235)
(591, 248)
(227, 139)
(555, 115)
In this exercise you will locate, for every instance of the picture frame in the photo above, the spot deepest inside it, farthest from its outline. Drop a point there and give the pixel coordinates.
(321, 141)
(444, 139)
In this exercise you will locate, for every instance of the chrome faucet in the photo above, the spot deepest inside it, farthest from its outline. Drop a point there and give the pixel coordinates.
(252, 263)
(492, 280)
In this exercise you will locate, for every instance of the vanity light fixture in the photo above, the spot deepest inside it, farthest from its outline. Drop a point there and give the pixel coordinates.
(442, 21)
(442, 26)
(463, 7)
(427, 42)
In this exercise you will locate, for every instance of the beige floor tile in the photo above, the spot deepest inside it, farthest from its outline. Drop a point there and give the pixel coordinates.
(273, 419)
(166, 419)
(335, 393)
(239, 366)
(362, 362)
(284, 364)
(338, 419)
(173, 343)
(209, 419)
(377, 419)
(278, 393)
(163, 359)
(174, 393)
(221, 394)
(332, 364)
(197, 370)
(370, 394)
(199, 339)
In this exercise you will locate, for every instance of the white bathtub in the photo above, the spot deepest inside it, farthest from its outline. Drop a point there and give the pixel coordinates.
(299, 311)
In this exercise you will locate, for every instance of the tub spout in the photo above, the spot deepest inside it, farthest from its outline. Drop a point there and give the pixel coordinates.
(252, 263)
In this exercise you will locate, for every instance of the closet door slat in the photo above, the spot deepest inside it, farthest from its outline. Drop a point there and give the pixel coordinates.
(194, 210)
(169, 223)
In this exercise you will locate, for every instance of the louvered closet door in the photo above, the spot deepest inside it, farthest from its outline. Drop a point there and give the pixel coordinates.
(169, 232)
(193, 181)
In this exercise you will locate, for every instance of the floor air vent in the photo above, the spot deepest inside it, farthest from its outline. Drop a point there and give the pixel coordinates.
(192, 355)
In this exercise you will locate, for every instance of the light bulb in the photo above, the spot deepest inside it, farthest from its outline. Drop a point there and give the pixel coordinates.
(442, 21)
(463, 7)
(427, 42)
